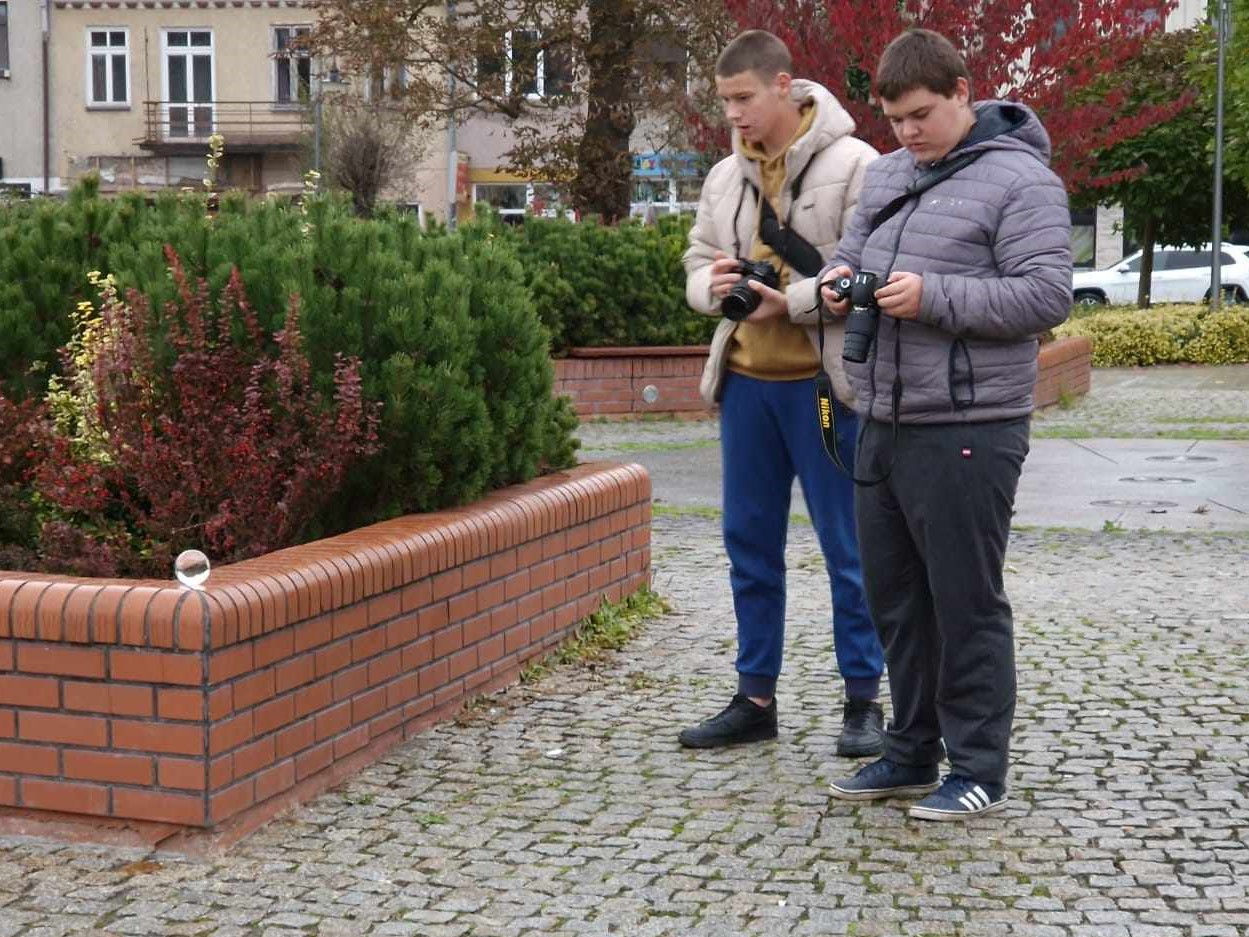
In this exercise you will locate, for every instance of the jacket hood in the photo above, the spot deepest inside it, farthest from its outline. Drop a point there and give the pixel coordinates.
(832, 121)
(1006, 125)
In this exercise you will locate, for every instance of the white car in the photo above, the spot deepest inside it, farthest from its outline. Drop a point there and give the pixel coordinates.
(1181, 275)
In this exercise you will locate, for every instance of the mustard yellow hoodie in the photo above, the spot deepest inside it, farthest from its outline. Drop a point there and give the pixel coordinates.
(776, 350)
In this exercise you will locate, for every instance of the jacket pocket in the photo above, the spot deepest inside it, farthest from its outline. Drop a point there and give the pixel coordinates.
(962, 376)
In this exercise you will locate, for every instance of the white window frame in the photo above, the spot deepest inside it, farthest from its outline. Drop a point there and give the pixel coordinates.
(288, 60)
(211, 50)
(5, 45)
(109, 51)
(509, 75)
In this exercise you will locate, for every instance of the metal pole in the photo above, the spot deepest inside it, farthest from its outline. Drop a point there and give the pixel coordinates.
(45, 26)
(316, 132)
(453, 154)
(1216, 240)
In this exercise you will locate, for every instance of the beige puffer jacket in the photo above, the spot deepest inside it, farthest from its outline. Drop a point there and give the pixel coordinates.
(825, 205)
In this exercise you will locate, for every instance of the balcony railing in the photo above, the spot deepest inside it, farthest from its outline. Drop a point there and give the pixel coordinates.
(246, 125)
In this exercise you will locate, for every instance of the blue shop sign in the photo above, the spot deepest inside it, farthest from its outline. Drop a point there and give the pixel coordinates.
(662, 165)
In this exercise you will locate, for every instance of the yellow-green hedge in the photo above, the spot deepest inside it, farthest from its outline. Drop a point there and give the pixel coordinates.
(1165, 335)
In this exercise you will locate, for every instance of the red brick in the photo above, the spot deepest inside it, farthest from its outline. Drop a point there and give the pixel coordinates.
(384, 607)
(401, 691)
(275, 780)
(385, 668)
(30, 692)
(462, 606)
(67, 798)
(8, 724)
(476, 629)
(251, 758)
(462, 662)
(417, 594)
(447, 584)
(156, 667)
(111, 699)
(333, 658)
(293, 673)
(490, 595)
(333, 721)
(164, 737)
(6, 655)
(310, 634)
(452, 692)
(369, 644)
(275, 714)
(181, 773)
(274, 647)
(187, 705)
(448, 640)
(542, 574)
(475, 573)
(186, 809)
(314, 698)
(231, 733)
(108, 766)
(253, 689)
(29, 759)
(433, 618)
(402, 631)
(516, 638)
(368, 705)
(422, 652)
(87, 731)
(516, 585)
(220, 703)
(8, 792)
(354, 740)
(62, 661)
(350, 620)
(220, 772)
(490, 650)
(314, 760)
(433, 676)
(503, 564)
(296, 738)
(383, 724)
(230, 663)
(350, 682)
(503, 617)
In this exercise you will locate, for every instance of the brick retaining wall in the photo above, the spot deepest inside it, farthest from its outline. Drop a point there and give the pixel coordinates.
(611, 381)
(144, 701)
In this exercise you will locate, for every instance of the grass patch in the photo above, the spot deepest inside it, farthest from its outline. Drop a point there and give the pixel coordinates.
(654, 446)
(597, 636)
(679, 510)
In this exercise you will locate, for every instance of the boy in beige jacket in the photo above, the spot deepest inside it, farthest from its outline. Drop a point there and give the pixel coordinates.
(795, 174)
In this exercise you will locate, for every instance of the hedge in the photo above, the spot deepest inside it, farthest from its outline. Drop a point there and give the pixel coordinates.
(1165, 335)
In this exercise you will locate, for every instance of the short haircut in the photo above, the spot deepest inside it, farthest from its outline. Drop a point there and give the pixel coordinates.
(755, 50)
(919, 58)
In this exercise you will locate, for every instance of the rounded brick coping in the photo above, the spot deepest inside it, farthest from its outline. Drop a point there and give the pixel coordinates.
(641, 351)
(1061, 350)
(256, 596)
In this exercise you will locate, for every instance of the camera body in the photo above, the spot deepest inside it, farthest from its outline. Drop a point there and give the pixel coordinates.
(864, 315)
(741, 300)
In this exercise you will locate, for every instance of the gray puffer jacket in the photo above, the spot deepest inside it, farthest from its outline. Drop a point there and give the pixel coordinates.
(993, 243)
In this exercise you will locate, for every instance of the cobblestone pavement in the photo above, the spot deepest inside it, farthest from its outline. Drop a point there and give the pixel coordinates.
(567, 807)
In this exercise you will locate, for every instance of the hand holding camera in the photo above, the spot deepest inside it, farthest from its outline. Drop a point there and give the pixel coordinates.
(863, 316)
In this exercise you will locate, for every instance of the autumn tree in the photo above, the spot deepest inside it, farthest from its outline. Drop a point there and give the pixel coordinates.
(1044, 54)
(570, 78)
(1164, 176)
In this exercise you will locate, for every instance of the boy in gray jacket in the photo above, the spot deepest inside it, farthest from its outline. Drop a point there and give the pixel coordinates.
(971, 270)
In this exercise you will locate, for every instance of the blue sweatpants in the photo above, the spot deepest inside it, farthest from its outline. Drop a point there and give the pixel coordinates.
(768, 434)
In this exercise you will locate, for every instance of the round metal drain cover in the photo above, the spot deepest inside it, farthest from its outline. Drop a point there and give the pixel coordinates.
(1157, 479)
(1133, 503)
(1181, 458)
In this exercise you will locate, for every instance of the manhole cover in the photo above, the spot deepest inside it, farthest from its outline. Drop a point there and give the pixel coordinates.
(1157, 479)
(1181, 458)
(1133, 503)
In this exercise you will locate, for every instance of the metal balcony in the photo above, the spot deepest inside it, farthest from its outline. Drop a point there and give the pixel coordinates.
(248, 126)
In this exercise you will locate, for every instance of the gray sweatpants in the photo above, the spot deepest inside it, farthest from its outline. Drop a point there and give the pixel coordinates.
(933, 542)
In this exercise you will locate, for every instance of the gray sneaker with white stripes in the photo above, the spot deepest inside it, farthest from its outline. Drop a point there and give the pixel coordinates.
(959, 798)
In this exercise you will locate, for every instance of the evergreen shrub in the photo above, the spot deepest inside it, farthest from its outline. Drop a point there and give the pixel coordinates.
(444, 325)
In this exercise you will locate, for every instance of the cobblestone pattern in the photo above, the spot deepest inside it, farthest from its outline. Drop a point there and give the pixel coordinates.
(567, 808)
(1200, 402)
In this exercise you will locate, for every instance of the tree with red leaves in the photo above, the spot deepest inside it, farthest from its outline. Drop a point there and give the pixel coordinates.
(1047, 55)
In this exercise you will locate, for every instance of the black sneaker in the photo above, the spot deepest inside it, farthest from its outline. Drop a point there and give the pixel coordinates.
(862, 729)
(740, 722)
(884, 778)
(959, 798)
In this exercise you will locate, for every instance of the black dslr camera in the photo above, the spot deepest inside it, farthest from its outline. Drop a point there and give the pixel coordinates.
(864, 313)
(741, 300)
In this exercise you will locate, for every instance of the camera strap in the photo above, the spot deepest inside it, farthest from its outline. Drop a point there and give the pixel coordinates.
(825, 402)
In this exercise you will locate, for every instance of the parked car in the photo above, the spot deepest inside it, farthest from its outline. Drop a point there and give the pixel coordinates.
(1181, 275)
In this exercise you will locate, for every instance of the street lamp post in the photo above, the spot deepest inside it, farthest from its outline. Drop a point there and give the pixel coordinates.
(1216, 241)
